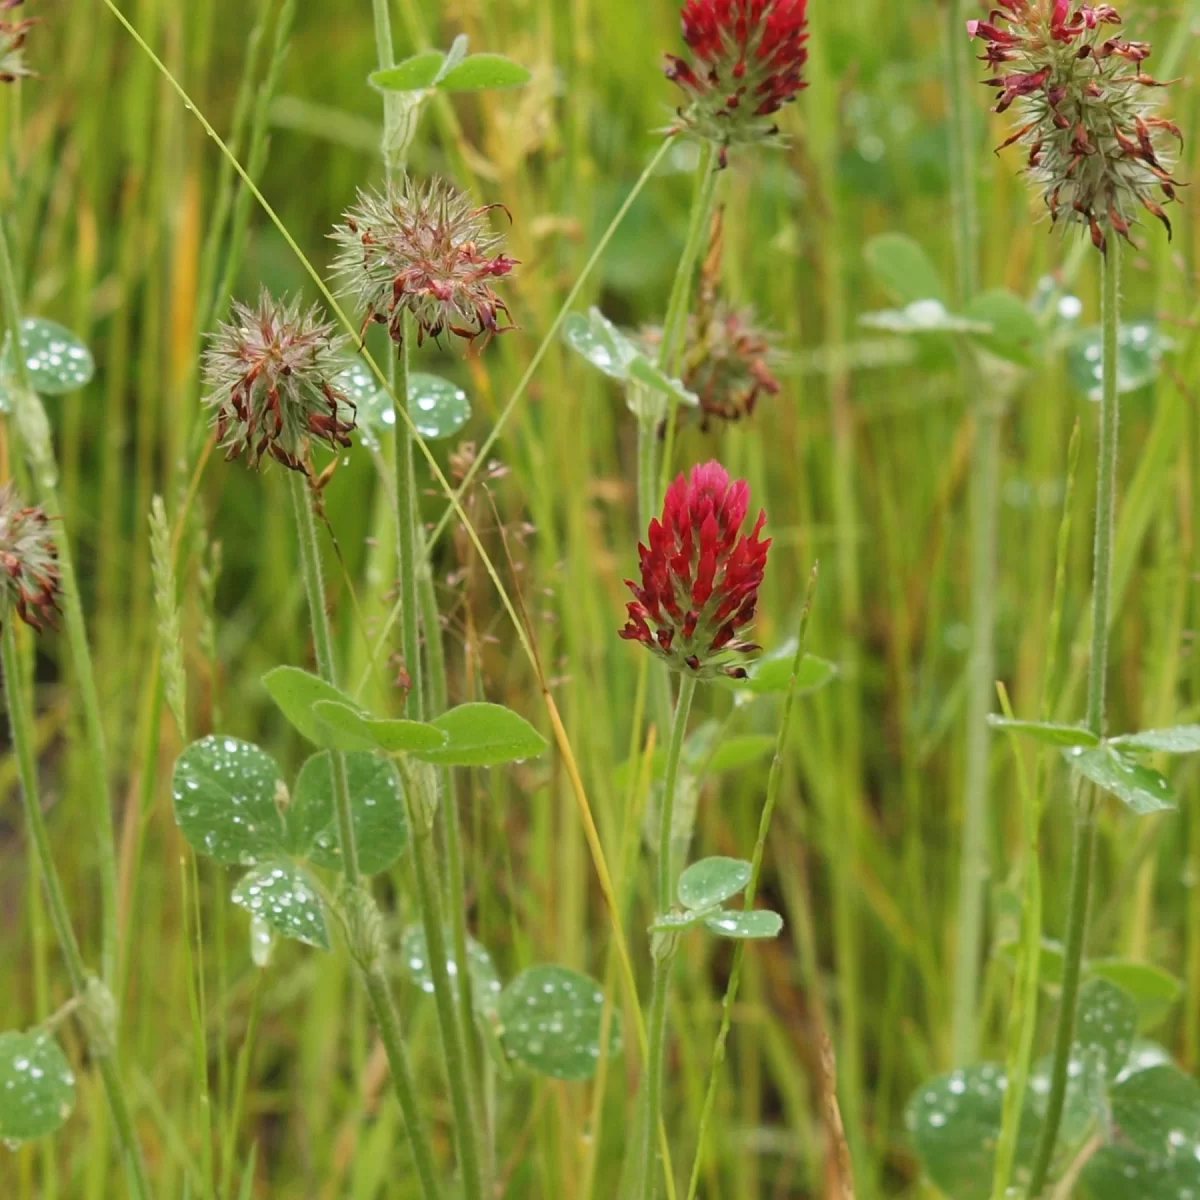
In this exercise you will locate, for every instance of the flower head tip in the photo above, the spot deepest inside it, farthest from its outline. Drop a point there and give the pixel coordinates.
(747, 59)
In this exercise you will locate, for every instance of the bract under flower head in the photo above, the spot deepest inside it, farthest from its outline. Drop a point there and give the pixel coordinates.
(268, 372)
(747, 60)
(699, 575)
(29, 578)
(1086, 111)
(427, 251)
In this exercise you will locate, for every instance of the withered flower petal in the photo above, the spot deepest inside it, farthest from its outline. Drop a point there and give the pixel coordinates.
(29, 578)
(269, 374)
(427, 251)
(1097, 150)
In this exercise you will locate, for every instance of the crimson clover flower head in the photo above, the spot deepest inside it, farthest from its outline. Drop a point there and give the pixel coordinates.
(700, 576)
(12, 43)
(427, 251)
(1086, 111)
(747, 59)
(29, 578)
(268, 373)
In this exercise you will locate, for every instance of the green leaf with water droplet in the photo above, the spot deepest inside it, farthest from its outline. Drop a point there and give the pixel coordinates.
(922, 317)
(1106, 1021)
(296, 691)
(1179, 739)
(1158, 1110)
(758, 924)
(414, 74)
(1140, 350)
(393, 736)
(900, 264)
(550, 1020)
(674, 922)
(438, 407)
(485, 981)
(478, 71)
(1015, 333)
(712, 881)
(376, 808)
(284, 895)
(37, 1087)
(599, 341)
(1126, 1173)
(262, 942)
(1143, 790)
(1154, 990)
(483, 735)
(56, 360)
(1047, 732)
(226, 794)
(954, 1121)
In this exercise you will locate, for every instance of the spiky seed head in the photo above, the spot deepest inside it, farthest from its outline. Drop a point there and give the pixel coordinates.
(29, 578)
(426, 250)
(1087, 111)
(699, 576)
(268, 373)
(12, 44)
(747, 59)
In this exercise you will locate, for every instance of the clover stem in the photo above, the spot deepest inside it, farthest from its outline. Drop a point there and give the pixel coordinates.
(664, 953)
(1083, 849)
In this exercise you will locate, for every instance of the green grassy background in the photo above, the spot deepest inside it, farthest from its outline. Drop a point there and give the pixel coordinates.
(860, 464)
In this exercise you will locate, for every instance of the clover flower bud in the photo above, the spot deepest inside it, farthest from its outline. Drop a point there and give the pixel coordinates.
(29, 578)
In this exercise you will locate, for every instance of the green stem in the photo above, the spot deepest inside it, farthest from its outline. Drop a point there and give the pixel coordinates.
(985, 482)
(656, 1053)
(973, 868)
(384, 1007)
(675, 322)
(1085, 818)
(456, 887)
(21, 731)
(422, 814)
(310, 566)
(374, 979)
(39, 449)
(774, 781)
(406, 532)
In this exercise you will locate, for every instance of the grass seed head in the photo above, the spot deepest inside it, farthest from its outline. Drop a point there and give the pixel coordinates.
(1087, 112)
(269, 373)
(29, 578)
(700, 575)
(426, 250)
(747, 62)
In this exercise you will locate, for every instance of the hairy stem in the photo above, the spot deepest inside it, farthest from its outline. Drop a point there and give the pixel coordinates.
(422, 811)
(39, 449)
(21, 731)
(656, 1053)
(374, 979)
(1082, 853)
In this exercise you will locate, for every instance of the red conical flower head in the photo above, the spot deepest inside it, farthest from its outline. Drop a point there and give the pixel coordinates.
(700, 575)
(748, 56)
